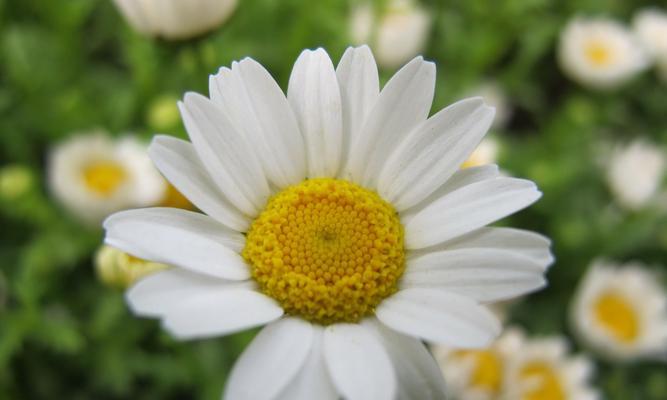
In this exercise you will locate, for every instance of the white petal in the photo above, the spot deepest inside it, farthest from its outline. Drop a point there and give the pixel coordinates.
(418, 374)
(156, 294)
(468, 208)
(436, 316)
(313, 381)
(177, 237)
(314, 95)
(218, 313)
(259, 109)
(225, 152)
(460, 179)
(403, 104)
(359, 87)
(433, 152)
(195, 305)
(272, 360)
(179, 163)
(358, 364)
(526, 243)
(482, 274)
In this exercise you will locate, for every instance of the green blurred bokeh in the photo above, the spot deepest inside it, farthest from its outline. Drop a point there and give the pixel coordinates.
(68, 66)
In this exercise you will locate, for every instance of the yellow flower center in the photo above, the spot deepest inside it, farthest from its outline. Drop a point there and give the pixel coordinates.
(544, 382)
(618, 316)
(104, 177)
(327, 250)
(598, 54)
(487, 373)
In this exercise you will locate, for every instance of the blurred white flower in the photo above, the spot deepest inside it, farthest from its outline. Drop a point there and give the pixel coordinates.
(621, 311)
(542, 369)
(396, 35)
(600, 53)
(478, 374)
(495, 96)
(119, 270)
(94, 175)
(634, 173)
(175, 19)
(516, 367)
(485, 153)
(650, 26)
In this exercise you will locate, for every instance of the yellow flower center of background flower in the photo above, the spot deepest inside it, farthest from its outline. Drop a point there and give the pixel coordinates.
(544, 382)
(487, 372)
(598, 54)
(104, 177)
(327, 250)
(618, 316)
(174, 199)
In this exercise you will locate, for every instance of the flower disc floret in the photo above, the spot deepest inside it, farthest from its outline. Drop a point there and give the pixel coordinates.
(327, 250)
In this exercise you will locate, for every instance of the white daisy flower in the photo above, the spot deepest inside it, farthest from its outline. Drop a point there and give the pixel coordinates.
(118, 269)
(94, 175)
(650, 25)
(175, 19)
(635, 173)
(600, 53)
(542, 369)
(621, 311)
(338, 216)
(396, 35)
(478, 374)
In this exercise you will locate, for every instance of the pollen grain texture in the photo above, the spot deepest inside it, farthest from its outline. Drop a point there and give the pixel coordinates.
(327, 250)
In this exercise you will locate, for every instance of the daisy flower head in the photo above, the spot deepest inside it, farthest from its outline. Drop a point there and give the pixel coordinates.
(635, 172)
(175, 19)
(337, 215)
(478, 374)
(621, 312)
(397, 33)
(543, 369)
(600, 53)
(94, 175)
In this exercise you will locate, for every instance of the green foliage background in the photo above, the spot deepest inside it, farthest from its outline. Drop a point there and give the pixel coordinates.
(67, 66)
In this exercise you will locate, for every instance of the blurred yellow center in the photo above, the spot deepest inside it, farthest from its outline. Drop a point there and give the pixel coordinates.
(104, 177)
(173, 198)
(598, 54)
(618, 316)
(542, 382)
(487, 372)
(327, 250)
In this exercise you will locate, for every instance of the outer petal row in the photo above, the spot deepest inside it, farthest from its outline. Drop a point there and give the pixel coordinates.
(259, 109)
(355, 361)
(197, 306)
(181, 238)
(314, 95)
(179, 163)
(468, 208)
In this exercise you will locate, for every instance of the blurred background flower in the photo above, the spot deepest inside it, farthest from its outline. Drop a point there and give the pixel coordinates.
(175, 19)
(600, 53)
(580, 96)
(93, 175)
(621, 312)
(396, 31)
